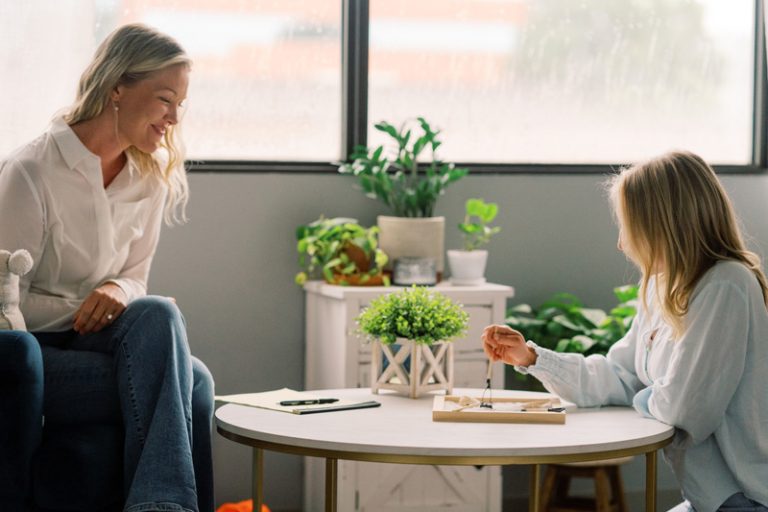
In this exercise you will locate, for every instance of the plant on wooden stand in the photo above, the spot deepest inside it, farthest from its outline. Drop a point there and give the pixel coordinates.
(409, 328)
(341, 251)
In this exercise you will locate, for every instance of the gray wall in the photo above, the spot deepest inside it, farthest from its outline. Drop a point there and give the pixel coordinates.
(231, 270)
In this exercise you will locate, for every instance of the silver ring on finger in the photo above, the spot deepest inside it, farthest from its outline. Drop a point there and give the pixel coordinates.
(110, 316)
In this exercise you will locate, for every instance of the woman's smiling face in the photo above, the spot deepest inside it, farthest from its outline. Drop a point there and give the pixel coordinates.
(147, 108)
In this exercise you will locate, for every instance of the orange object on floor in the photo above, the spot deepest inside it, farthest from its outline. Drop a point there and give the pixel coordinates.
(240, 506)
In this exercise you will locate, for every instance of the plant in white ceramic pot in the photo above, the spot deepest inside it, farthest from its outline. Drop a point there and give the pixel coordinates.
(408, 177)
(411, 332)
(468, 265)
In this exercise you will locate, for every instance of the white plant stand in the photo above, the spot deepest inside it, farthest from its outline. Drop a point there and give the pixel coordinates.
(430, 367)
(337, 356)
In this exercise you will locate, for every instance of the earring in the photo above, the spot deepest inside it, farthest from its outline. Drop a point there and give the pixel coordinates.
(115, 107)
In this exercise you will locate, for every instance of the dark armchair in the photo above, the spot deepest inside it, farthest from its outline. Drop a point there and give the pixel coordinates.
(72, 462)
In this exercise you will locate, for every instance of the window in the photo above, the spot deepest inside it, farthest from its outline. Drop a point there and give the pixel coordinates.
(265, 82)
(508, 82)
(558, 81)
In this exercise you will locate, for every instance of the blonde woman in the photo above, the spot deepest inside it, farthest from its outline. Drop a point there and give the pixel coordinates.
(696, 356)
(87, 199)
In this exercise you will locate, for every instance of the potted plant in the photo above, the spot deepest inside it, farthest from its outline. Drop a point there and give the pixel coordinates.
(411, 332)
(341, 251)
(564, 324)
(408, 177)
(468, 265)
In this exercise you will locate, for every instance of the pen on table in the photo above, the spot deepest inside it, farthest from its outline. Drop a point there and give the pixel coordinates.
(314, 401)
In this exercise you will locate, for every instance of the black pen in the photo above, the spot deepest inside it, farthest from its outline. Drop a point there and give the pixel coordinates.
(314, 401)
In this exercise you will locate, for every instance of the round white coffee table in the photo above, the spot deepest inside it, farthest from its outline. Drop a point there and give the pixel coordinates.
(367, 435)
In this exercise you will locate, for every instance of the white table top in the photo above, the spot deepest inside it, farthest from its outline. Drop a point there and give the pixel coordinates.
(403, 427)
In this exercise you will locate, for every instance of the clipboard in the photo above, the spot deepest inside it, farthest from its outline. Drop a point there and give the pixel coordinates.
(271, 400)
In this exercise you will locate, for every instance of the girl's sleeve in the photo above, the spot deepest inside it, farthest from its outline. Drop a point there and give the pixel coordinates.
(593, 380)
(22, 216)
(707, 362)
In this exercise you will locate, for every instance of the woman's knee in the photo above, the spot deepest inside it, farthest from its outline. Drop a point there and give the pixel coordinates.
(202, 388)
(20, 352)
(155, 308)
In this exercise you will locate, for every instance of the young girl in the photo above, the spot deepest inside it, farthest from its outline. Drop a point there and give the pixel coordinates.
(696, 356)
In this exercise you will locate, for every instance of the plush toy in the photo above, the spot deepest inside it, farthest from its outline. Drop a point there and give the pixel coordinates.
(12, 265)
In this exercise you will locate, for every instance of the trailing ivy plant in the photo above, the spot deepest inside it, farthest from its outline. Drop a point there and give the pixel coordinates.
(564, 324)
(393, 174)
(338, 248)
(418, 313)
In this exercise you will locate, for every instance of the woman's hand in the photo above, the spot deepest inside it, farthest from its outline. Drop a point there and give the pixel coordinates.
(502, 343)
(100, 308)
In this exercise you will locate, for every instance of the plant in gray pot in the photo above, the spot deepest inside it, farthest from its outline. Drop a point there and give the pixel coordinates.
(402, 175)
(468, 265)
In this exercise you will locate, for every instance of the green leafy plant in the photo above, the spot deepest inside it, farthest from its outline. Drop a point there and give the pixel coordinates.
(417, 313)
(563, 324)
(393, 174)
(475, 228)
(341, 250)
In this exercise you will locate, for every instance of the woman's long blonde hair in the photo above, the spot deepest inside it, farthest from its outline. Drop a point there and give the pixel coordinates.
(678, 222)
(128, 55)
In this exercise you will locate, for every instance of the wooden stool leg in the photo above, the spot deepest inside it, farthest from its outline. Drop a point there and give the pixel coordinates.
(602, 491)
(617, 485)
(548, 487)
(562, 486)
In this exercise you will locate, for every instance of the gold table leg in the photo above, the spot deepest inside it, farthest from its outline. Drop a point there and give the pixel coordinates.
(533, 491)
(331, 484)
(257, 475)
(650, 481)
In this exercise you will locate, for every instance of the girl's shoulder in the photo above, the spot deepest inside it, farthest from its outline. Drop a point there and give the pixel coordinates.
(729, 274)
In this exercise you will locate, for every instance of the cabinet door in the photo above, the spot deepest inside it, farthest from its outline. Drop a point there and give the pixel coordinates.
(406, 487)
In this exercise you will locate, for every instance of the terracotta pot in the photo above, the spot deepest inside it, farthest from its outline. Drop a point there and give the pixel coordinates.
(357, 280)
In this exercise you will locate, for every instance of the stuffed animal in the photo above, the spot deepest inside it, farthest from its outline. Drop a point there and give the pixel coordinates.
(12, 265)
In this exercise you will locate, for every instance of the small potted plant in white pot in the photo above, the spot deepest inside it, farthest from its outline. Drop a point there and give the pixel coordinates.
(411, 331)
(468, 265)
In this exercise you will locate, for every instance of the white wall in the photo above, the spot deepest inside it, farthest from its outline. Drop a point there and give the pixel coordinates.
(231, 269)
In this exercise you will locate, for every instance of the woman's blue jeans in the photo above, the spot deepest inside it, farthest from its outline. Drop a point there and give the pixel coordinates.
(165, 399)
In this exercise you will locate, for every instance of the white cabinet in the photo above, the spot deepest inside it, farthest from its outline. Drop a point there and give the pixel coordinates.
(336, 357)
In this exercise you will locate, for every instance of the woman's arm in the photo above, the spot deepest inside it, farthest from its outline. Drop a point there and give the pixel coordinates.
(22, 216)
(586, 381)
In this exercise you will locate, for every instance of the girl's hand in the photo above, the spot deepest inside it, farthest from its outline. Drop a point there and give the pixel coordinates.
(502, 343)
(100, 309)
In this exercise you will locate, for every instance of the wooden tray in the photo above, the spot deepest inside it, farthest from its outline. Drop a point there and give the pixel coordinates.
(443, 409)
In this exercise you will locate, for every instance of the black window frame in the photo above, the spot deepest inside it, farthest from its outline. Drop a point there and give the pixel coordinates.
(355, 22)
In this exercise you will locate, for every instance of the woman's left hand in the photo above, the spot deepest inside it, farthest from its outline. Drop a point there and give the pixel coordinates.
(100, 308)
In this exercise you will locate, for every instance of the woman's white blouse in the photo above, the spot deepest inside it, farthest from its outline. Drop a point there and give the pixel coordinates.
(53, 203)
(711, 384)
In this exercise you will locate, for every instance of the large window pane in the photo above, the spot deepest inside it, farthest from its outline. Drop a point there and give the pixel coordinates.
(265, 83)
(561, 81)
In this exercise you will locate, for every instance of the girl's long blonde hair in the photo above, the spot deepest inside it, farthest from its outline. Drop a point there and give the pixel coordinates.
(128, 55)
(678, 222)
